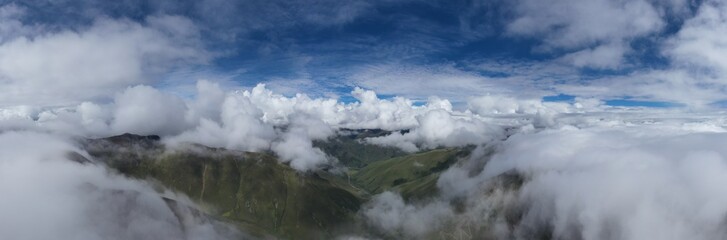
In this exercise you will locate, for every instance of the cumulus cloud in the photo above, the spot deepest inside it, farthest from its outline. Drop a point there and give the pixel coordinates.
(256, 120)
(145, 110)
(259, 119)
(296, 146)
(240, 127)
(440, 128)
(499, 104)
(698, 43)
(93, 62)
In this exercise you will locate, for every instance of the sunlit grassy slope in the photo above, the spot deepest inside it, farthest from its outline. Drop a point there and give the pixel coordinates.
(414, 175)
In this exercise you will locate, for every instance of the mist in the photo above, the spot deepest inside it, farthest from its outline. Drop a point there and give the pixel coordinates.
(52, 189)
(616, 182)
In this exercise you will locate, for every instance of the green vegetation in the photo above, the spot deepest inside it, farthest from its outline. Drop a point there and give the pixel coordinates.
(353, 153)
(257, 190)
(414, 176)
(269, 199)
(251, 190)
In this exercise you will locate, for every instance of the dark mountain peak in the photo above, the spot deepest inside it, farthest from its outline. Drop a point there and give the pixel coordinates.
(366, 133)
(130, 138)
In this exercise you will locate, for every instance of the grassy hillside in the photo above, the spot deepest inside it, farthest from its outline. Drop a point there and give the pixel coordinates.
(252, 190)
(352, 152)
(269, 199)
(414, 176)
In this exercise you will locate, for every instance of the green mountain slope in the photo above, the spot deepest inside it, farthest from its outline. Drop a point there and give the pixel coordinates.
(414, 176)
(269, 199)
(252, 190)
(348, 147)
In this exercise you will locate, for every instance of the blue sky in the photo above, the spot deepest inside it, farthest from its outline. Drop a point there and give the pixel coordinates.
(638, 52)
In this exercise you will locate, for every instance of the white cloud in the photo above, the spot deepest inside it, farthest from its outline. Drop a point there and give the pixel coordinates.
(423, 81)
(501, 104)
(240, 127)
(591, 28)
(48, 196)
(387, 211)
(66, 67)
(296, 146)
(699, 43)
(606, 56)
(209, 96)
(250, 118)
(622, 183)
(10, 25)
(441, 128)
(144, 110)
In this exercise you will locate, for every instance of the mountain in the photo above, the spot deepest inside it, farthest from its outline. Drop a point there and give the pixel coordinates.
(267, 198)
(351, 150)
(414, 175)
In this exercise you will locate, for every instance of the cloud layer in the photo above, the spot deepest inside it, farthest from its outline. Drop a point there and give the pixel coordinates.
(633, 179)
